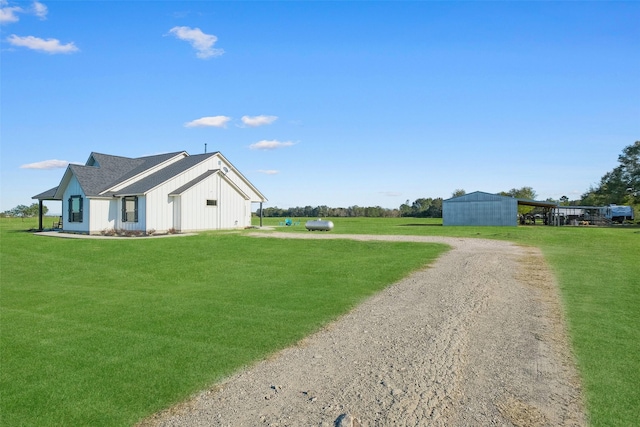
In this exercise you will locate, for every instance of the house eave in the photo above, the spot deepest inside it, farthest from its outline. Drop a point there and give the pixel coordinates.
(47, 195)
(243, 178)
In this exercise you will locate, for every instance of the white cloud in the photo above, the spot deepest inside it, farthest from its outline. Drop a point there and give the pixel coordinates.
(51, 46)
(46, 164)
(8, 13)
(39, 9)
(269, 171)
(256, 121)
(201, 42)
(270, 145)
(214, 121)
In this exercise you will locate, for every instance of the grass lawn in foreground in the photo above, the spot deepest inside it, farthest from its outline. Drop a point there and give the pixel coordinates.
(598, 270)
(106, 332)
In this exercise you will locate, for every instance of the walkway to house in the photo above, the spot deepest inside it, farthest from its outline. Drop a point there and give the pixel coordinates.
(64, 235)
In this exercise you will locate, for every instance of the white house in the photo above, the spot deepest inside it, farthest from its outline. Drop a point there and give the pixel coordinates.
(163, 192)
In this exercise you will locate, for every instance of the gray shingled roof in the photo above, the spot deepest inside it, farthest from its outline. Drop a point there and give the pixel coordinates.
(111, 170)
(104, 171)
(193, 182)
(47, 195)
(164, 174)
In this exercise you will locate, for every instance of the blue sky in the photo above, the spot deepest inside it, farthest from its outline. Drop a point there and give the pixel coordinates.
(325, 103)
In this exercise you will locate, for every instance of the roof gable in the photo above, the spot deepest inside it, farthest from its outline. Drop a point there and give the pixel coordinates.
(180, 190)
(261, 196)
(103, 171)
(157, 178)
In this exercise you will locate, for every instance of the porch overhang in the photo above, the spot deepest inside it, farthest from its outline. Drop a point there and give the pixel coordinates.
(47, 195)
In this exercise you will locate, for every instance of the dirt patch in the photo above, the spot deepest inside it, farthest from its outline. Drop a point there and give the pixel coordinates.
(476, 339)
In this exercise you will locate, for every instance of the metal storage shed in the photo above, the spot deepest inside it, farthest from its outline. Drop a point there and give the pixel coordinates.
(479, 208)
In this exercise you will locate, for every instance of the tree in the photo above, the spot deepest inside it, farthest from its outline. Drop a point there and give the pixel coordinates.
(405, 208)
(458, 192)
(420, 207)
(521, 193)
(622, 184)
(526, 193)
(24, 211)
(21, 211)
(630, 167)
(435, 210)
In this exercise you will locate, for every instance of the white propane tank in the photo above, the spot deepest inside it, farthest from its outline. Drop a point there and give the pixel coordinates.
(318, 225)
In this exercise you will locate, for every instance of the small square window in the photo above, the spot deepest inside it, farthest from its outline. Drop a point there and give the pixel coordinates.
(211, 202)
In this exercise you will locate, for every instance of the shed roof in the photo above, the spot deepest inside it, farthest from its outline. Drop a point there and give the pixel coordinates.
(193, 182)
(46, 195)
(537, 203)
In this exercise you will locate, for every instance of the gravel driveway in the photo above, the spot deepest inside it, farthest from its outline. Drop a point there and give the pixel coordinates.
(475, 339)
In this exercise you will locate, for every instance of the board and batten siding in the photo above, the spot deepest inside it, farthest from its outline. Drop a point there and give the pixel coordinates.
(242, 185)
(229, 211)
(141, 225)
(104, 214)
(194, 201)
(159, 215)
(233, 207)
(190, 211)
(74, 189)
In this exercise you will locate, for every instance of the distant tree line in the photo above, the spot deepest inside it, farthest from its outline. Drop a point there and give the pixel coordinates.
(326, 211)
(24, 211)
(423, 208)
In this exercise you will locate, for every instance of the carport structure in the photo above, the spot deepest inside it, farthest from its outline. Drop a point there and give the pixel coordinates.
(480, 208)
(549, 210)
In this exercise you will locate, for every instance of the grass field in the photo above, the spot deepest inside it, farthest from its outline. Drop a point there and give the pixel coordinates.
(103, 332)
(599, 274)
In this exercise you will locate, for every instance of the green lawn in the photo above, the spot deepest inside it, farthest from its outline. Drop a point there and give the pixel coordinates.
(599, 274)
(106, 332)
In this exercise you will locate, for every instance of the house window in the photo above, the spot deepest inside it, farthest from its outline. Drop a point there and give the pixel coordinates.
(75, 209)
(212, 202)
(130, 209)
